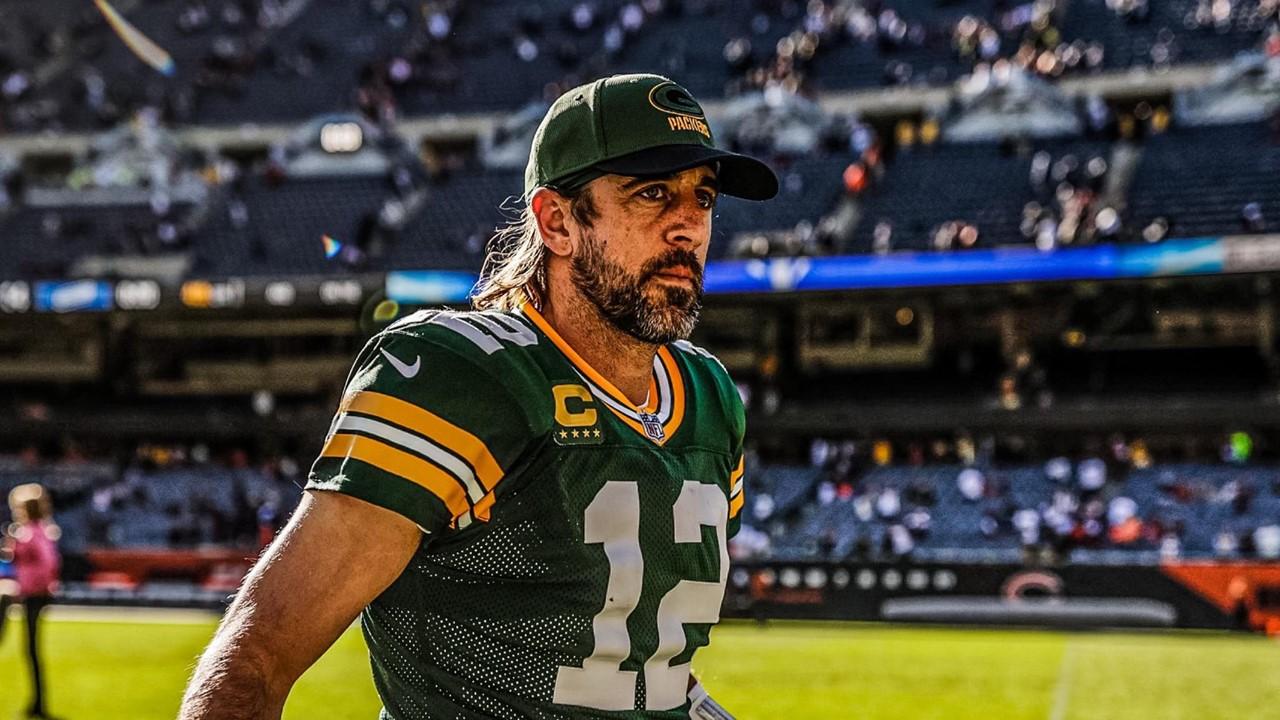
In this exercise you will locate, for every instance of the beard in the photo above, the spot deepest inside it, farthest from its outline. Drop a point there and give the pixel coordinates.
(649, 312)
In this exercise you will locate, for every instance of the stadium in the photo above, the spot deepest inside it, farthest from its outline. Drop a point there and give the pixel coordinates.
(1007, 340)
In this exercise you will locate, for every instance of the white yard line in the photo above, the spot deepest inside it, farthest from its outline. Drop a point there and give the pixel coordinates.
(1062, 691)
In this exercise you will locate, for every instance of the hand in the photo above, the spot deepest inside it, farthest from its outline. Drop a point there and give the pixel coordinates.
(702, 707)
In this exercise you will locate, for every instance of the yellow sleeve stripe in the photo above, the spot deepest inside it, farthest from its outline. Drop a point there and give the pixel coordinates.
(400, 463)
(482, 508)
(735, 505)
(407, 415)
(737, 472)
(735, 480)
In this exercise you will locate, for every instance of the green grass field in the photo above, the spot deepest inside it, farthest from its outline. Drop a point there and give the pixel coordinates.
(135, 668)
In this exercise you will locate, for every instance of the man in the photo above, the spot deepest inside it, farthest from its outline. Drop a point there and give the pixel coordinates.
(528, 504)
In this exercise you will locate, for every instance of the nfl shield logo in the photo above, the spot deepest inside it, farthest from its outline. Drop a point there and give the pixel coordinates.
(653, 427)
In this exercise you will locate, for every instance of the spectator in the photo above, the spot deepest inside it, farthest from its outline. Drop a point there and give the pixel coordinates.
(918, 522)
(1251, 219)
(971, 483)
(1266, 540)
(1091, 475)
(32, 545)
(1027, 523)
(1120, 510)
(888, 503)
(1225, 544)
(763, 506)
(826, 492)
(900, 541)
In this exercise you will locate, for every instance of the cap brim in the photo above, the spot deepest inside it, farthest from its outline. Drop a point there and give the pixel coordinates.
(739, 175)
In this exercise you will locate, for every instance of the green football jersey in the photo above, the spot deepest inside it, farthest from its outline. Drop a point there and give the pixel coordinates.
(574, 549)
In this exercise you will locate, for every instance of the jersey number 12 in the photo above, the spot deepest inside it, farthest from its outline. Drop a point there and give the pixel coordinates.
(613, 518)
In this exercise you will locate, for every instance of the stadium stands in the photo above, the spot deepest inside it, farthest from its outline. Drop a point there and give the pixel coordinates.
(101, 504)
(257, 61)
(279, 225)
(1163, 33)
(1207, 180)
(1203, 179)
(1181, 510)
(45, 242)
(1190, 510)
(920, 193)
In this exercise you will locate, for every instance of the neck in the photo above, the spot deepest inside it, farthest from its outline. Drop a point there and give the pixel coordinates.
(621, 359)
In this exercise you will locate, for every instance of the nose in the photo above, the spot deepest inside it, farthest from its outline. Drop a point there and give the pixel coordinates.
(690, 225)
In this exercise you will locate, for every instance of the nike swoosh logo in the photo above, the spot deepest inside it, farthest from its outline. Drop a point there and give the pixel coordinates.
(404, 368)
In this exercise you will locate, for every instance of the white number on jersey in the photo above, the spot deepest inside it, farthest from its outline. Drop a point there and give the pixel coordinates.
(613, 518)
(488, 330)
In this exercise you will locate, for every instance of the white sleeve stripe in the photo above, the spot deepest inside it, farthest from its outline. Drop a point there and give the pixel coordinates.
(518, 335)
(737, 488)
(418, 445)
(483, 340)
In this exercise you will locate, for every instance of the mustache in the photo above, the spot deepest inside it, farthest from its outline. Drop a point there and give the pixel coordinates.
(674, 258)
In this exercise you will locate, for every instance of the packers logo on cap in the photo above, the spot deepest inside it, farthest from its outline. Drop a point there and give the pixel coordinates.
(685, 112)
(671, 98)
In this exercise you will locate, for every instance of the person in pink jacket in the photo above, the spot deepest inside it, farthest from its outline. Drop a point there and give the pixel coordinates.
(30, 544)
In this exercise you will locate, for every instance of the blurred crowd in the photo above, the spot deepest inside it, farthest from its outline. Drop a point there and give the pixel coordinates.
(66, 69)
(1064, 504)
(1075, 195)
(872, 499)
(167, 495)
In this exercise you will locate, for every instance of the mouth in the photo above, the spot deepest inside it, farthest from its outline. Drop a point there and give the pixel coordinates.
(675, 274)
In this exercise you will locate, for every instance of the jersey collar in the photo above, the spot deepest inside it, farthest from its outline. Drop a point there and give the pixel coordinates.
(659, 419)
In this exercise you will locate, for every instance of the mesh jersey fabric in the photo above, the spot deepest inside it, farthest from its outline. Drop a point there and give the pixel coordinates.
(574, 548)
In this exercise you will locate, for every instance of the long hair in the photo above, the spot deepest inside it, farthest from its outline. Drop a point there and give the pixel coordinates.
(30, 503)
(515, 268)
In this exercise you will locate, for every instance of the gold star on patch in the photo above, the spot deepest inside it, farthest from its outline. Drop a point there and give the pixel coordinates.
(596, 433)
(575, 433)
(563, 435)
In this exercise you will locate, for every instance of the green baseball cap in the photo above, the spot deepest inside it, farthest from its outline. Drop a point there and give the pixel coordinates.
(636, 125)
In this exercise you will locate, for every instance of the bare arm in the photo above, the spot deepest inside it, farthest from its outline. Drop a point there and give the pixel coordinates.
(336, 555)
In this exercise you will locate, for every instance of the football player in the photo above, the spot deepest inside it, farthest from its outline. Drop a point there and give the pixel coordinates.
(528, 504)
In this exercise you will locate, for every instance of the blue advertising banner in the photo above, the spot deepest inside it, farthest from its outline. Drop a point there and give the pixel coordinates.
(427, 287)
(1171, 258)
(73, 296)
(1194, 256)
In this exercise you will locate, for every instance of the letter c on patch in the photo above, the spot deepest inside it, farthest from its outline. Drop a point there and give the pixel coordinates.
(580, 397)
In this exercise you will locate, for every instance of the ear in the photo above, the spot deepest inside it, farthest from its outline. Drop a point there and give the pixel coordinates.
(551, 210)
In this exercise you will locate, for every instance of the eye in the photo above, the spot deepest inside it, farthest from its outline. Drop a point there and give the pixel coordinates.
(706, 199)
(654, 192)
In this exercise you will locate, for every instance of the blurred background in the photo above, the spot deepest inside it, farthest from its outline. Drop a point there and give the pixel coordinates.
(1007, 338)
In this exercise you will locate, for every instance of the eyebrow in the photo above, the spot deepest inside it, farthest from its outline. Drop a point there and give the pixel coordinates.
(710, 181)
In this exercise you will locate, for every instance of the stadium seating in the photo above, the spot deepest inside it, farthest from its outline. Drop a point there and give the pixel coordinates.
(457, 218)
(267, 66)
(100, 504)
(920, 192)
(811, 187)
(1173, 31)
(286, 223)
(1201, 178)
(812, 529)
(44, 242)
